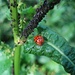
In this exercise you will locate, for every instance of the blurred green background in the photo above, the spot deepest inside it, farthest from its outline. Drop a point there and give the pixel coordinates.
(61, 19)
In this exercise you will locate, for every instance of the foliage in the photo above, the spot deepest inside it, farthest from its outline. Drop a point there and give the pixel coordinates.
(60, 19)
(54, 47)
(5, 59)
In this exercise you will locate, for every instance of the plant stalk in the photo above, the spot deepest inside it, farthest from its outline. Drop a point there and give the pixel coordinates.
(17, 60)
(15, 27)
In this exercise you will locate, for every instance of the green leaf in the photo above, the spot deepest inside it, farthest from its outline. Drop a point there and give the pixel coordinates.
(5, 58)
(29, 10)
(5, 63)
(55, 47)
(3, 10)
(5, 49)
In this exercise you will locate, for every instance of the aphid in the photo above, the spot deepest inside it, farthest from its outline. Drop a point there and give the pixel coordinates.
(39, 40)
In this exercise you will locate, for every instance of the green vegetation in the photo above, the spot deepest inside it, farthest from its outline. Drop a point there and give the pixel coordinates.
(57, 28)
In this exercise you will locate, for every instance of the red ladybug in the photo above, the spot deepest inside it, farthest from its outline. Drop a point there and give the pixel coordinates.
(39, 40)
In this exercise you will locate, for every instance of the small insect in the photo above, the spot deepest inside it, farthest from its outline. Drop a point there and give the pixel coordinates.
(39, 40)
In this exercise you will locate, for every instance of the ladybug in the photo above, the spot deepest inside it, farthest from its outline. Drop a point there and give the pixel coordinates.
(39, 40)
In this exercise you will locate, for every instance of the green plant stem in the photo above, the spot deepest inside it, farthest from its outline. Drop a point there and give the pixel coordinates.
(17, 60)
(15, 27)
